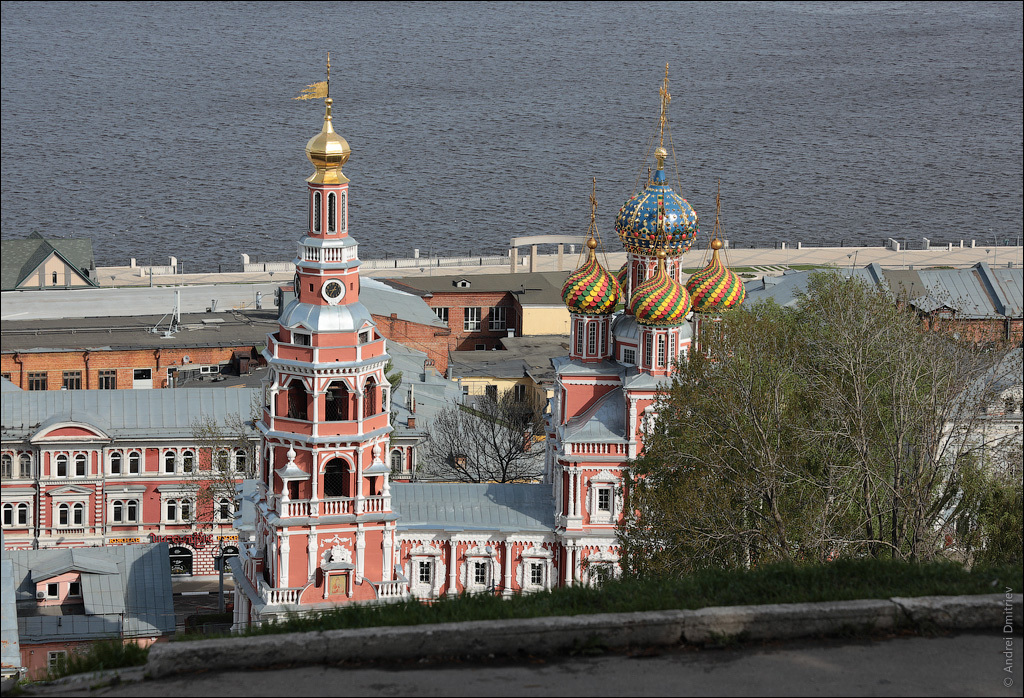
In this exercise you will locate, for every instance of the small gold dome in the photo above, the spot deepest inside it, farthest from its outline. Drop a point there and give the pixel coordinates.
(328, 152)
(717, 244)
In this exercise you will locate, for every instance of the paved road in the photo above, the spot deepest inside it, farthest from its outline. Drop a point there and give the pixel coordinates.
(969, 664)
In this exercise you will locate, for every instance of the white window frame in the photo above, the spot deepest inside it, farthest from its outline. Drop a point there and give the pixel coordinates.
(125, 504)
(23, 472)
(7, 469)
(608, 485)
(498, 318)
(471, 319)
(120, 460)
(19, 513)
(442, 314)
(426, 553)
(479, 555)
(540, 556)
(135, 462)
(171, 456)
(629, 356)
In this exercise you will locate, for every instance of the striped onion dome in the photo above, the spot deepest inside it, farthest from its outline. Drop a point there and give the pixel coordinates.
(638, 221)
(715, 288)
(660, 301)
(591, 290)
(620, 275)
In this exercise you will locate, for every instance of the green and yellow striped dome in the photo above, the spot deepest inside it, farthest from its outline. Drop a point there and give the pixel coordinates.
(591, 290)
(659, 301)
(715, 288)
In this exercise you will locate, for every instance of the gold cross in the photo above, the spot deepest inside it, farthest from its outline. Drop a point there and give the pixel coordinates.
(665, 99)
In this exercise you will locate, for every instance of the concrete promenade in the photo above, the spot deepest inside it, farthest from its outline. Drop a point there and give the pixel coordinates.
(763, 261)
(735, 650)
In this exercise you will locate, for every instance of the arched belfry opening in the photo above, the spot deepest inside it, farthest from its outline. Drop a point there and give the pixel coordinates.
(335, 478)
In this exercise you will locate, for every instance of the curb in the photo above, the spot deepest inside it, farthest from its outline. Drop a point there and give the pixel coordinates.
(993, 612)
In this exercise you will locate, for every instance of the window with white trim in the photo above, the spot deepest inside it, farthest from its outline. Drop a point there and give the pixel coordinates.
(480, 575)
(25, 465)
(170, 461)
(134, 463)
(498, 319)
(397, 461)
(16, 514)
(592, 338)
(6, 466)
(316, 211)
(471, 319)
(332, 212)
(425, 571)
(124, 511)
(115, 461)
(579, 337)
(241, 461)
(442, 314)
(188, 461)
(536, 574)
(81, 465)
(56, 660)
(661, 350)
(648, 349)
(225, 510)
(72, 514)
(629, 356)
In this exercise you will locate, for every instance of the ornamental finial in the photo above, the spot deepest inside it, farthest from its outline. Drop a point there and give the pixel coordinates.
(665, 99)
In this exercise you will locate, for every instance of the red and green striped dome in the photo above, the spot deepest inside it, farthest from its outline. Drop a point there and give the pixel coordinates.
(620, 275)
(659, 301)
(715, 288)
(591, 290)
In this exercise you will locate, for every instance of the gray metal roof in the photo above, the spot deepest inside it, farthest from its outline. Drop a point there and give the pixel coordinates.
(538, 288)
(604, 421)
(464, 507)
(431, 391)
(138, 598)
(978, 292)
(80, 559)
(381, 299)
(134, 332)
(122, 414)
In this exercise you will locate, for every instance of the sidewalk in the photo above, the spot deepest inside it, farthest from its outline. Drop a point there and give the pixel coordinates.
(768, 260)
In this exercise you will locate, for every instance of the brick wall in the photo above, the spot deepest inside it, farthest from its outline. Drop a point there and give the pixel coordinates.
(463, 340)
(435, 341)
(54, 363)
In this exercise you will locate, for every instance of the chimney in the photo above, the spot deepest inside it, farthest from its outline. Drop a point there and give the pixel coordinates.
(412, 422)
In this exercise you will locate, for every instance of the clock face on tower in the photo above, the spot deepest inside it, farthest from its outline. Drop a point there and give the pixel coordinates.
(333, 291)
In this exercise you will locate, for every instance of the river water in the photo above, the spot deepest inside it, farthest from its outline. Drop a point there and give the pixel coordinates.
(168, 128)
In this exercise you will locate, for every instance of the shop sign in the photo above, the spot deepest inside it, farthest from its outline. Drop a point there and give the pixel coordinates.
(123, 541)
(196, 540)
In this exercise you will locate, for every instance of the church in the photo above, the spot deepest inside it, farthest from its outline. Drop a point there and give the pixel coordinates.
(331, 528)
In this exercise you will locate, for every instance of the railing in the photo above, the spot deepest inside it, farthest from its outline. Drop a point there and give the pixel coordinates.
(337, 506)
(597, 449)
(64, 531)
(392, 590)
(279, 597)
(479, 261)
(376, 504)
(328, 254)
(297, 508)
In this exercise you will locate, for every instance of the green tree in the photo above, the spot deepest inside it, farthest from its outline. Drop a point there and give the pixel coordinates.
(840, 427)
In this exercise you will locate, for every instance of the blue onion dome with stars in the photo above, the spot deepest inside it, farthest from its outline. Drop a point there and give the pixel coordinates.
(637, 222)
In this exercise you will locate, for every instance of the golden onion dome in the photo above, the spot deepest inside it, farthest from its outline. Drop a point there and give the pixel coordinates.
(591, 290)
(328, 152)
(715, 288)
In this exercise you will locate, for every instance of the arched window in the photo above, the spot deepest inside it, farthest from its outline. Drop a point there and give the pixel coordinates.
(6, 466)
(23, 514)
(370, 398)
(134, 463)
(297, 400)
(63, 511)
(62, 465)
(316, 212)
(186, 509)
(337, 402)
(171, 510)
(78, 514)
(115, 463)
(25, 465)
(8, 519)
(332, 212)
(188, 461)
(54, 278)
(334, 478)
(224, 509)
(170, 461)
(241, 461)
(396, 461)
(81, 463)
(223, 461)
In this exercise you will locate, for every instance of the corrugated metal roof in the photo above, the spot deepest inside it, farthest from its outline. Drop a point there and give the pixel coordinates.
(68, 559)
(141, 589)
(127, 414)
(498, 507)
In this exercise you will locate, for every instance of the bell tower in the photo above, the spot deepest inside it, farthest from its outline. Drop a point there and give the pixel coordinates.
(325, 531)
